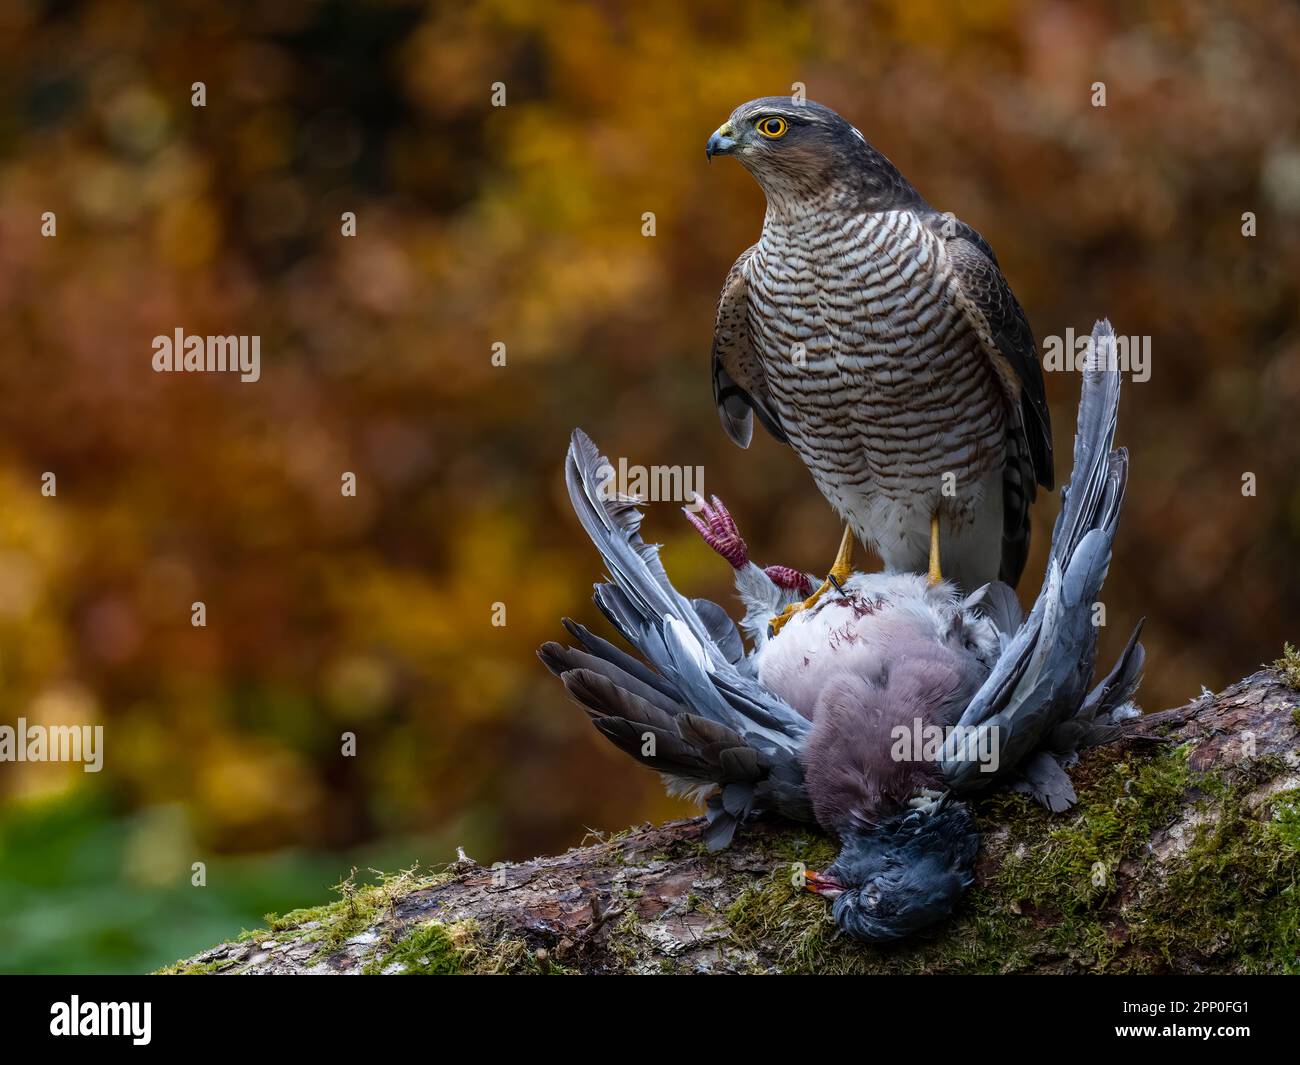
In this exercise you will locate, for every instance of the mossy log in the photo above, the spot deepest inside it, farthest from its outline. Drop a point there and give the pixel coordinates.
(1182, 856)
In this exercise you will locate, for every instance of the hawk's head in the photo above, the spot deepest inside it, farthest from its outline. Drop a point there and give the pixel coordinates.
(796, 149)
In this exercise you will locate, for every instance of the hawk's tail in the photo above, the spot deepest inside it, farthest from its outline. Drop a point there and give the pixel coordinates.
(1018, 492)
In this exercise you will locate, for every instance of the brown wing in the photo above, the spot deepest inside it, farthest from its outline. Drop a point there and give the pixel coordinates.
(993, 312)
(739, 384)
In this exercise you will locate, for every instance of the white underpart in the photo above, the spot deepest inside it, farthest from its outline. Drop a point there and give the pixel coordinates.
(834, 629)
(899, 529)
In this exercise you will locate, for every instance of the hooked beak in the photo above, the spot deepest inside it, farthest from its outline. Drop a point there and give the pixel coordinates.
(821, 884)
(720, 143)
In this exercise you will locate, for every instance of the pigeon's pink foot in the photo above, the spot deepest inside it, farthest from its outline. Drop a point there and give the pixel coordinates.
(789, 578)
(718, 529)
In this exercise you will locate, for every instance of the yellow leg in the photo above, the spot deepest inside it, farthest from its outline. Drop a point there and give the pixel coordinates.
(841, 570)
(936, 575)
(842, 567)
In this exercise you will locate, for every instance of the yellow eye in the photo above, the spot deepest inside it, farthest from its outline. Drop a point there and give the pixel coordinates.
(772, 128)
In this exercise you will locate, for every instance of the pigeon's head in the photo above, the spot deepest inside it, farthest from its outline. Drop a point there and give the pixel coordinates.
(797, 149)
(895, 878)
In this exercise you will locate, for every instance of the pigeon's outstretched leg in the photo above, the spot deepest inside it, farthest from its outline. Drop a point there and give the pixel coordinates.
(718, 529)
(841, 569)
(763, 591)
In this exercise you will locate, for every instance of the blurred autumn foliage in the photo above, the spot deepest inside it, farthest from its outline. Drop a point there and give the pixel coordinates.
(522, 225)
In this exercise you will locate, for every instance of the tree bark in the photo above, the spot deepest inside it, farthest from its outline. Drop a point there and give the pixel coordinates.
(1183, 855)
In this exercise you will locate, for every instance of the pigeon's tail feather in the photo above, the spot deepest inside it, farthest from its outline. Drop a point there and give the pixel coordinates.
(1034, 698)
(687, 710)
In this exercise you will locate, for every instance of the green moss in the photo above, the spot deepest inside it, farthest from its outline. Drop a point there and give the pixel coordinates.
(1070, 860)
(1284, 824)
(783, 916)
(189, 968)
(1231, 892)
(793, 928)
(778, 913)
(1289, 666)
(360, 907)
(811, 850)
(338, 921)
(512, 957)
(626, 939)
(1235, 891)
(432, 949)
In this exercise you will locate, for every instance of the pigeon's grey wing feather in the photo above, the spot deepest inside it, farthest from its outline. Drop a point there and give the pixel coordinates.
(643, 604)
(997, 602)
(602, 648)
(1100, 718)
(688, 710)
(1039, 682)
(693, 753)
(721, 628)
(1042, 777)
(561, 660)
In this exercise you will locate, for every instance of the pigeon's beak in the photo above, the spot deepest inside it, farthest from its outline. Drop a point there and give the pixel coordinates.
(821, 884)
(720, 143)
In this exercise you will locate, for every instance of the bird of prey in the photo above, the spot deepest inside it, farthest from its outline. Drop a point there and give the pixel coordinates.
(879, 338)
(816, 722)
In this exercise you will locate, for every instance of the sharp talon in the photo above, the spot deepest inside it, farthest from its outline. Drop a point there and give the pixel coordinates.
(840, 571)
(837, 585)
(778, 623)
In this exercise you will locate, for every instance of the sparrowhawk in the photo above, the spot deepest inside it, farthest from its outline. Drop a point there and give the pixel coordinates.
(808, 723)
(879, 338)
